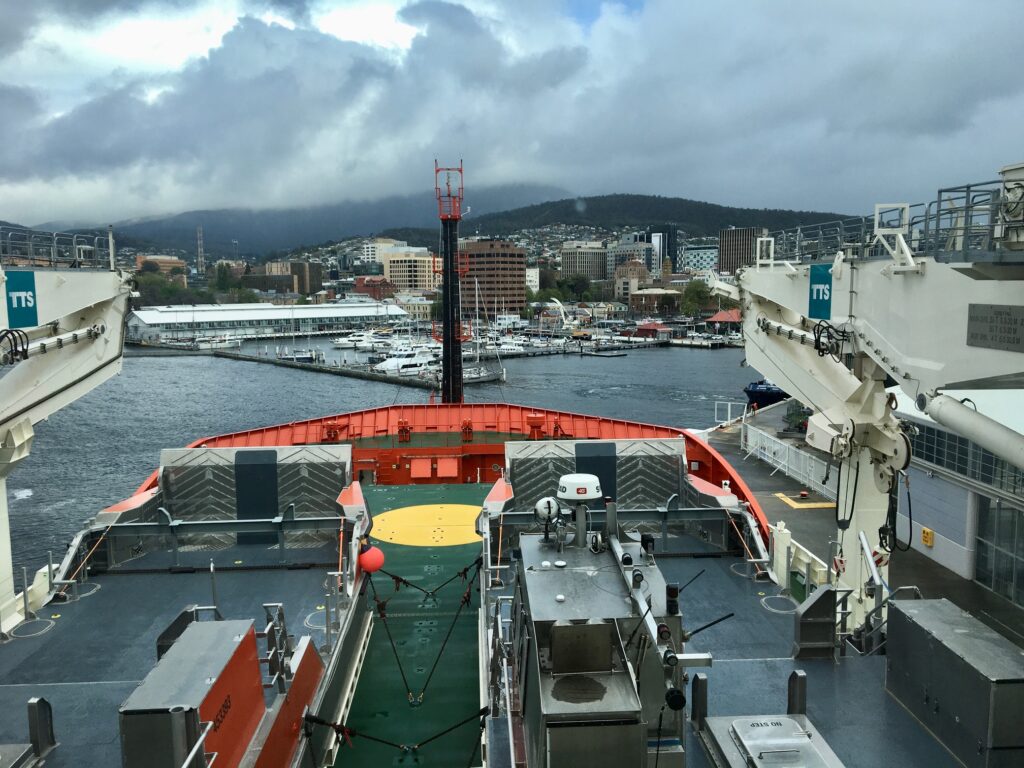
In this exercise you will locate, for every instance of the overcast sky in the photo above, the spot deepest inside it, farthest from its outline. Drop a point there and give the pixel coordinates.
(111, 109)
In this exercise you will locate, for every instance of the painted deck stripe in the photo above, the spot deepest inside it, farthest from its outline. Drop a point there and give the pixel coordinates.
(804, 504)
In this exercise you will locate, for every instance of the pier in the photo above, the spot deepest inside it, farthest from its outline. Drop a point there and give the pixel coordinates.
(699, 343)
(352, 372)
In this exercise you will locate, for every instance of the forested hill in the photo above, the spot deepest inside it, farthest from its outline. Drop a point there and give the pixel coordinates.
(623, 211)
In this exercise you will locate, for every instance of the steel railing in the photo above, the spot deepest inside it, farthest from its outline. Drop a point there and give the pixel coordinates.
(964, 223)
(35, 248)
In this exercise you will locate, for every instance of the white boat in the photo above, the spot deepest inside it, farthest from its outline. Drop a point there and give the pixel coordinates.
(204, 342)
(345, 341)
(373, 343)
(217, 342)
(408, 362)
(301, 356)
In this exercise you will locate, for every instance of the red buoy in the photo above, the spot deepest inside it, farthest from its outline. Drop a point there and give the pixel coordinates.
(371, 559)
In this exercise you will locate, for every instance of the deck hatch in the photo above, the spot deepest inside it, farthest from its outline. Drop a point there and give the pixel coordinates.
(256, 496)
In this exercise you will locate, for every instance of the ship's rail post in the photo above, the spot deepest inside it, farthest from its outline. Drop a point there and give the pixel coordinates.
(287, 515)
(40, 726)
(198, 751)
(29, 613)
(334, 603)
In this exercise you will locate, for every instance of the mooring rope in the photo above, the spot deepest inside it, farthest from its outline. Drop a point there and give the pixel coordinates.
(466, 599)
(382, 613)
(351, 733)
(461, 574)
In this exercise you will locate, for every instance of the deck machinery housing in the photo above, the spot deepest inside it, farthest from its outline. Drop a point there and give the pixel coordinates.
(583, 656)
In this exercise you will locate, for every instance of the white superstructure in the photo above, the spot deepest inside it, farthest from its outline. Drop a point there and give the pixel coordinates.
(930, 297)
(61, 335)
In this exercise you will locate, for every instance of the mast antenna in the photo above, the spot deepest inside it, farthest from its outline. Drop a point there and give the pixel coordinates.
(448, 188)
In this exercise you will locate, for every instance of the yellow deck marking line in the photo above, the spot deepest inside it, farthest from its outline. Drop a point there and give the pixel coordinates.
(805, 504)
(428, 525)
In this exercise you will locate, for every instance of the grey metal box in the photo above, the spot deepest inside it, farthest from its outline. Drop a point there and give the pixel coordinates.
(961, 679)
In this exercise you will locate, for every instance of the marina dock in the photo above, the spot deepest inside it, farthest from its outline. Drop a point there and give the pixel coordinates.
(699, 343)
(337, 370)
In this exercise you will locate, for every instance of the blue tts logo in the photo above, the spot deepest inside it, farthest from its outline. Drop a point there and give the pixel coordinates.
(22, 311)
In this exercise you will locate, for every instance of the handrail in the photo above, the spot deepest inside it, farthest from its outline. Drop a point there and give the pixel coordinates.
(960, 223)
(187, 763)
(20, 246)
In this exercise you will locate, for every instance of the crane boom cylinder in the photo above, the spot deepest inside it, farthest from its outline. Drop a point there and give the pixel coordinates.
(1004, 442)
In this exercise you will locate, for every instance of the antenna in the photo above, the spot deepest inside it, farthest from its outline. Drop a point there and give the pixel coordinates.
(200, 256)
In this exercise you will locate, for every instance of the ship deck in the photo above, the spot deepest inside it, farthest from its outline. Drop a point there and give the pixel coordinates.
(846, 700)
(812, 522)
(85, 657)
(428, 536)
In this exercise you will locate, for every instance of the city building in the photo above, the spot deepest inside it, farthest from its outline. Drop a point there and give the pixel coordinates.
(632, 247)
(697, 258)
(235, 267)
(165, 263)
(664, 239)
(605, 311)
(418, 307)
(654, 301)
(308, 276)
(584, 257)
(533, 278)
(156, 324)
(736, 247)
(374, 286)
(411, 270)
(372, 249)
(496, 273)
(287, 283)
(629, 276)
(725, 321)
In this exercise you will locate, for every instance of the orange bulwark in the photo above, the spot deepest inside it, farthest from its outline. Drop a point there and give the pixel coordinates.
(417, 444)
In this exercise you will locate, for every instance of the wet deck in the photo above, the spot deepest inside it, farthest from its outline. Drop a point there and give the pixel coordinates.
(846, 700)
(87, 656)
(423, 533)
(815, 527)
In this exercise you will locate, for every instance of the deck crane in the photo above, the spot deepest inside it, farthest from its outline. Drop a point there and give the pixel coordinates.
(63, 302)
(929, 298)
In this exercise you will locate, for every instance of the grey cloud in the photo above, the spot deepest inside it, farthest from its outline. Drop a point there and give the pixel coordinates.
(16, 24)
(96, 9)
(21, 112)
(806, 105)
(245, 107)
(296, 10)
(18, 20)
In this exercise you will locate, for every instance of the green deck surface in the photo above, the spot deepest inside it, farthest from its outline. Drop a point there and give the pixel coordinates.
(381, 707)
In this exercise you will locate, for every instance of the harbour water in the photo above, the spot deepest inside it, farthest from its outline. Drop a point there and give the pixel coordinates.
(100, 448)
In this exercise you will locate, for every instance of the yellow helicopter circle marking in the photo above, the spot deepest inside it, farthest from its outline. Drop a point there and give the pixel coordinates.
(428, 525)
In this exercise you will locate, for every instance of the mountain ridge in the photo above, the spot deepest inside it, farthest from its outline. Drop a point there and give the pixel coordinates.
(265, 230)
(495, 211)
